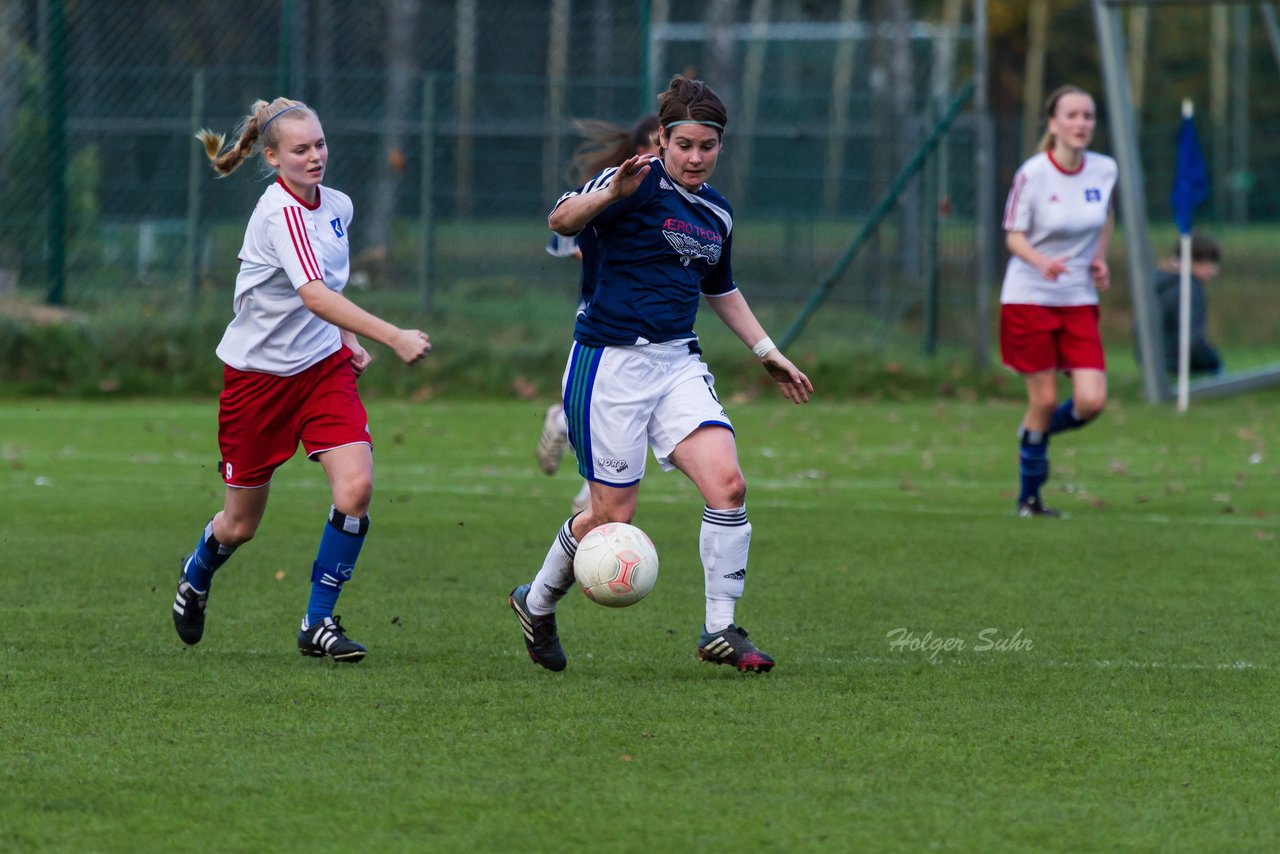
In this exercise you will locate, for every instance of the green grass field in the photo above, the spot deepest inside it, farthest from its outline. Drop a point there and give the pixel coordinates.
(1131, 704)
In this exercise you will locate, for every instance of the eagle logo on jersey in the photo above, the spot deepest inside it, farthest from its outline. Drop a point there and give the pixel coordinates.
(337, 226)
(689, 247)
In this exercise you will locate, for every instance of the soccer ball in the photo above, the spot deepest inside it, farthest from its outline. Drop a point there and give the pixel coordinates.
(616, 565)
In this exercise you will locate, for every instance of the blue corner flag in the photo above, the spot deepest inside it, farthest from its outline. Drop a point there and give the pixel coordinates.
(1191, 178)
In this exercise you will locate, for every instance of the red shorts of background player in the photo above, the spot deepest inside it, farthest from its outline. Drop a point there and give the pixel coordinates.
(1036, 338)
(263, 417)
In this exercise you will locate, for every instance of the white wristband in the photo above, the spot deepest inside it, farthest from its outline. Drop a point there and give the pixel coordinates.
(763, 346)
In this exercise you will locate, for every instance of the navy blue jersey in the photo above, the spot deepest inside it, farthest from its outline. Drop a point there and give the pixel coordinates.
(648, 258)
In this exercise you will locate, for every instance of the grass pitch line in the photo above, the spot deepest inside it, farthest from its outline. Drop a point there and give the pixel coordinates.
(970, 659)
(502, 486)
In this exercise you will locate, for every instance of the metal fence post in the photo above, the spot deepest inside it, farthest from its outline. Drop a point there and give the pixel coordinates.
(1124, 137)
(194, 171)
(985, 164)
(284, 53)
(56, 99)
(929, 242)
(426, 192)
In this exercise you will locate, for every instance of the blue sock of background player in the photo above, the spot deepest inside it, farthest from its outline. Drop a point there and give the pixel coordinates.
(1065, 417)
(1033, 462)
(202, 563)
(335, 560)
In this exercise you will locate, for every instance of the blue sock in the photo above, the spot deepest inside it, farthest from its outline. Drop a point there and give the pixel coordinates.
(1033, 462)
(205, 560)
(339, 547)
(1065, 417)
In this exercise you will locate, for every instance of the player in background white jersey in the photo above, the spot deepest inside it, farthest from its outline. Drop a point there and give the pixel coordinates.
(1058, 222)
(605, 145)
(291, 361)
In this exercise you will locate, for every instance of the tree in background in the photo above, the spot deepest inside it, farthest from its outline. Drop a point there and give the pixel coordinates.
(402, 64)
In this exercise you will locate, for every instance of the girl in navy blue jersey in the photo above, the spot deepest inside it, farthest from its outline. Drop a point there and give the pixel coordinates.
(660, 239)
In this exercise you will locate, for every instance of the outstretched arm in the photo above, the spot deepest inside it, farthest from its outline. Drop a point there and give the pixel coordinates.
(732, 308)
(573, 214)
(409, 345)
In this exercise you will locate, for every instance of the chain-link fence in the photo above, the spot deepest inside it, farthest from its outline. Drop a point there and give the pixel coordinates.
(451, 125)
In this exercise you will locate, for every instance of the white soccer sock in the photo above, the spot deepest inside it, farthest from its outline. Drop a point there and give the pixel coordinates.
(555, 579)
(723, 544)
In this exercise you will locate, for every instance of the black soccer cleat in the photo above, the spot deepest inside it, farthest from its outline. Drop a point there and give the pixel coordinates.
(540, 638)
(327, 637)
(188, 610)
(1032, 507)
(732, 647)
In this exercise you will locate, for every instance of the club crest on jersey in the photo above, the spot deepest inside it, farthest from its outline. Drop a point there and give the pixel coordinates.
(1092, 194)
(337, 226)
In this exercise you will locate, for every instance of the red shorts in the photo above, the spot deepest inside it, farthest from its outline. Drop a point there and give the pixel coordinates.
(1036, 338)
(263, 417)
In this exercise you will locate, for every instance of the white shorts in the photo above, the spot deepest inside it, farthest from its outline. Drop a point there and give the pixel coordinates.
(618, 400)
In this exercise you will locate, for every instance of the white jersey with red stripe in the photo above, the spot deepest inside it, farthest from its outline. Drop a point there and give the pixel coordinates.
(1062, 215)
(287, 244)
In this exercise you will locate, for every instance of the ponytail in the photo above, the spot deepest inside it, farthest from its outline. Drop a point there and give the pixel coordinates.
(252, 134)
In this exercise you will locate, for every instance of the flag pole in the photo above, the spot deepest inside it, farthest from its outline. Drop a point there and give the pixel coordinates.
(1184, 302)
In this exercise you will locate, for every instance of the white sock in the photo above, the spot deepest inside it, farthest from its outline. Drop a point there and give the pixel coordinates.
(723, 544)
(555, 579)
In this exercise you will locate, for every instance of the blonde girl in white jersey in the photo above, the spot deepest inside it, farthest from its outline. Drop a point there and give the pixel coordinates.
(291, 358)
(1058, 223)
